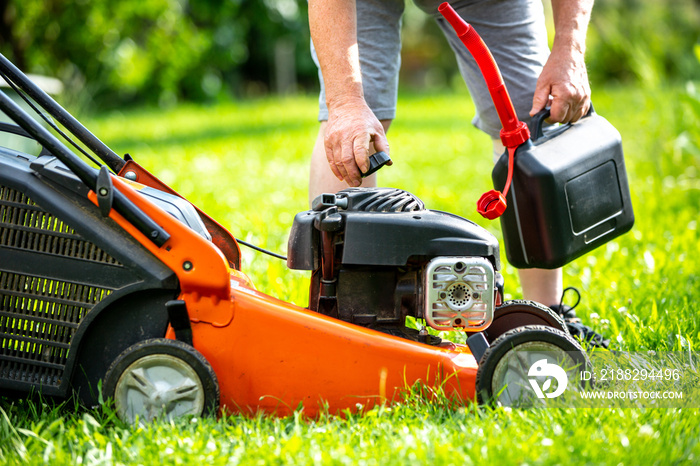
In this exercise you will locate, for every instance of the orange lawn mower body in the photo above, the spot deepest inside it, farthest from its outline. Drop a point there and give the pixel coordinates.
(306, 359)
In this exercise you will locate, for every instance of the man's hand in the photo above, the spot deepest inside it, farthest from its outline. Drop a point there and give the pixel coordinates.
(351, 131)
(352, 128)
(565, 79)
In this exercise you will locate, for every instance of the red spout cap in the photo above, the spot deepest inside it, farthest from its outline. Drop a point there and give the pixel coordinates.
(491, 204)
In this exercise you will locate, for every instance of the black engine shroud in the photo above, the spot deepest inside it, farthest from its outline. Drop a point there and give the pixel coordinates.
(368, 249)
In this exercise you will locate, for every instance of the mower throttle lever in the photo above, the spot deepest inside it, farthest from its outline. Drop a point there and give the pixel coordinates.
(377, 161)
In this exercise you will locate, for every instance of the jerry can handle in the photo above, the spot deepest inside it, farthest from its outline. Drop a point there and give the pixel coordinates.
(538, 121)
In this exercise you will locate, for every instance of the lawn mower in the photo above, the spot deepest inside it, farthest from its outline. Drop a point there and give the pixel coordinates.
(111, 282)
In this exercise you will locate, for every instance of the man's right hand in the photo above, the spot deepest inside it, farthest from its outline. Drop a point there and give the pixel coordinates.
(351, 131)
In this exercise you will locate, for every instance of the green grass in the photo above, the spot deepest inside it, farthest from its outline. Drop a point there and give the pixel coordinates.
(246, 165)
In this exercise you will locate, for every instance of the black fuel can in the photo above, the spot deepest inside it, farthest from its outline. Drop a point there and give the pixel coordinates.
(569, 193)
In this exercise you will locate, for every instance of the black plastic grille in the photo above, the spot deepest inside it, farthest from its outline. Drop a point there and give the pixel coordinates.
(25, 225)
(38, 318)
(39, 315)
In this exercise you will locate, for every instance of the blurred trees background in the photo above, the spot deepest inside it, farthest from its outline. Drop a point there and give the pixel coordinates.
(120, 52)
(160, 51)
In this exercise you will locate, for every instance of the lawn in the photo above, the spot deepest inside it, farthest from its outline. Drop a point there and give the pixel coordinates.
(246, 165)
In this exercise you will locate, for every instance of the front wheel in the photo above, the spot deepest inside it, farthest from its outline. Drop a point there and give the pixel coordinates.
(161, 377)
(528, 365)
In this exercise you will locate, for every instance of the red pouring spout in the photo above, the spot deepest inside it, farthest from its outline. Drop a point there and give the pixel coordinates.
(514, 132)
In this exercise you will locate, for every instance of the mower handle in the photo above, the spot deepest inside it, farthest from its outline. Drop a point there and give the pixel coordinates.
(11, 73)
(86, 173)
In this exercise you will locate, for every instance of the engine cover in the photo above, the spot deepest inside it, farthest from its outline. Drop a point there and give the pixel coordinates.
(386, 227)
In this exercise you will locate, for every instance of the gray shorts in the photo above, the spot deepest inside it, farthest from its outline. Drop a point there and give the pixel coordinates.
(514, 31)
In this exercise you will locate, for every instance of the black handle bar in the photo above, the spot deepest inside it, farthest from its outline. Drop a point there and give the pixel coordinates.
(107, 155)
(82, 170)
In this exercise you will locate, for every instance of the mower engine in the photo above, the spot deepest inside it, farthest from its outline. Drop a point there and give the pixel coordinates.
(378, 256)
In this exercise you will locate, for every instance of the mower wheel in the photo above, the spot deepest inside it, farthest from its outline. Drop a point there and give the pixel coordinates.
(519, 367)
(161, 377)
(517, 313)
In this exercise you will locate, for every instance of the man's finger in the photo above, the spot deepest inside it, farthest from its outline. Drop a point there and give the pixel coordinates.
(331, 162)
(381, 144)
(348, 166)
(560, 111)
(583, 109)
(540, 99)
(361, 152)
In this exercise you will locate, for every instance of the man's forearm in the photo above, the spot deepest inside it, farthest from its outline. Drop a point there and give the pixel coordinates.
(571, 19)
(334, 34)
(352, 129)
(563, 83)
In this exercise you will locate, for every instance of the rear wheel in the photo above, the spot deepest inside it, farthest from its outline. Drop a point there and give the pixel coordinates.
(527, 365)
(161, 377)
(518, 313)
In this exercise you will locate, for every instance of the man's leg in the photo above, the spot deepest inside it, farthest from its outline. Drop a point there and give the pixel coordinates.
(321, 178)
(542, 285)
